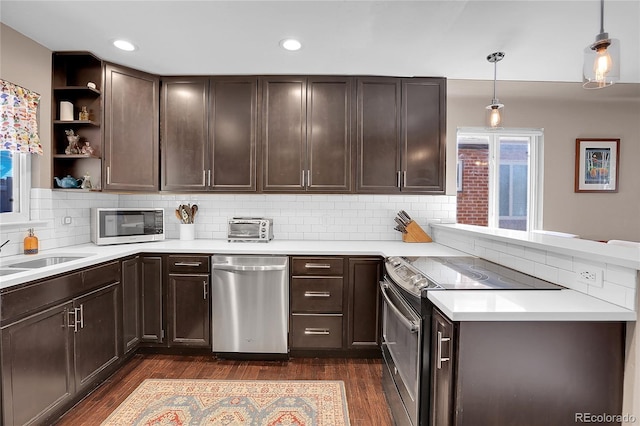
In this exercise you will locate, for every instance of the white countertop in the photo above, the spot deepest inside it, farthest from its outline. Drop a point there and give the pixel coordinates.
(97, 254)
(526, 305)
(459, 305)
(627, 256)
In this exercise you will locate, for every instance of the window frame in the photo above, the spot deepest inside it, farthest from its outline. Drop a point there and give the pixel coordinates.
(24, 186)
(535, 173)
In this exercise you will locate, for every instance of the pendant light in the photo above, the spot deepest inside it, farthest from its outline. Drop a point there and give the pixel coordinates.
(601, 59)
(495, 111)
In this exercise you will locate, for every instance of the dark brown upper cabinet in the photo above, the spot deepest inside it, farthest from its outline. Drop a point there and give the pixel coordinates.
(307, 134)
(401, 135)
(183, 134)
(131, 148)
(209, 134)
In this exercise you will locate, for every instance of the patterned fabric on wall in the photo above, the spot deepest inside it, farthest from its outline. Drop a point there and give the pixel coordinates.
(18, 119)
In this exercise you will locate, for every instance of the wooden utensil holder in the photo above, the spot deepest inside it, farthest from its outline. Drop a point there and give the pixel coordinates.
(415, 234)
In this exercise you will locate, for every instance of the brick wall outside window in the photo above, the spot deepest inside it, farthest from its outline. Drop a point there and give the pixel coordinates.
(473, 200)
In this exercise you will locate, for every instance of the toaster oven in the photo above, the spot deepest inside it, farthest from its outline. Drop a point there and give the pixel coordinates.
(250, 229)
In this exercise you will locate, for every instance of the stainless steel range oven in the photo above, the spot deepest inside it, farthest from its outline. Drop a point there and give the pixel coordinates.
(406, 321)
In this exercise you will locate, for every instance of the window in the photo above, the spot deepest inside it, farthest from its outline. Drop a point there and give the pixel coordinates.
(15, 178)
(499, 176)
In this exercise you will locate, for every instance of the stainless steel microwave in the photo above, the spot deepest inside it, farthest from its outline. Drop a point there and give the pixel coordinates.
(126, 225)
(250, 229)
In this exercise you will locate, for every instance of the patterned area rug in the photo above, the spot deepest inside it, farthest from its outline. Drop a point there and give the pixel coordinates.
(234, 403)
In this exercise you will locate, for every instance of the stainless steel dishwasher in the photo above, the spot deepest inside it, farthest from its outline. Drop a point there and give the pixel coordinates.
(250, 304)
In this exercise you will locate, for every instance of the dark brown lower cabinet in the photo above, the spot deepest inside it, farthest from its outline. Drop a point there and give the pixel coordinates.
(54, 355)
(442, 336)
(364, 303)
(152, 307)
(335, 305)
(533, 373)
(97, 336)
(189, 310)
(131, 297)
(188, 301)
(37, 366)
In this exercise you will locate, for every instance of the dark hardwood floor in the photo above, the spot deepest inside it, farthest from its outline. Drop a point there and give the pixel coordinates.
(362, 379)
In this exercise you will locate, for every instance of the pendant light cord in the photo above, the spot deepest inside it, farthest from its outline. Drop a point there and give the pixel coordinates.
(495, 76)
(601, 16)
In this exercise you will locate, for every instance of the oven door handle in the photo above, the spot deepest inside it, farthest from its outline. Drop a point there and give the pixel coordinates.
(412, 326)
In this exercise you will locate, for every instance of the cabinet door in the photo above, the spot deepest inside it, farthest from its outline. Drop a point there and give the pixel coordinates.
(189, 313)
(329, 114)
(98, 338)
(442, 344)
(131, 130)
(185, 152)
(283, 133)
(378, 134)
(131, 304)
(364, 303)
(423, 135)
(37, 375)
(152, 312)
(232, 133)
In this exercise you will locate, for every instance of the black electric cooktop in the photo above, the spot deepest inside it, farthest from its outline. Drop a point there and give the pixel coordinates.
(472, 273)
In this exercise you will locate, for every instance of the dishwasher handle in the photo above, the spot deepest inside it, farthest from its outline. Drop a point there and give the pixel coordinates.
(249, 268)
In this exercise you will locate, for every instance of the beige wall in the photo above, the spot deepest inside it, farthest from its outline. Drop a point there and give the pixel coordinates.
(28, 64)
(565, 111)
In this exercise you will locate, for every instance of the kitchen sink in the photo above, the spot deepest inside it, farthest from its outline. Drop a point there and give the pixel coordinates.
(11, 271)
(44, 261)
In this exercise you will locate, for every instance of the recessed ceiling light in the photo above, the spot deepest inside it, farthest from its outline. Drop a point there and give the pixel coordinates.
(290, 44)
(124, 45)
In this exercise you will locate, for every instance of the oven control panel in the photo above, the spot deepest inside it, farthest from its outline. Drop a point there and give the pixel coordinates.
(407, 277)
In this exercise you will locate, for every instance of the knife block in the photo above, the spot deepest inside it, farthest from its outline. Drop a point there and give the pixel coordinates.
(415, 234)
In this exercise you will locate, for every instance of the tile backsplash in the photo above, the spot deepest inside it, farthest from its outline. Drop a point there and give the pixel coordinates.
(302, 217)
(619, 285)
(296, 217)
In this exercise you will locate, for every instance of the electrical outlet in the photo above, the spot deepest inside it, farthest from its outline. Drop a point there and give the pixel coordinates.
(589, 275)
(66, 220)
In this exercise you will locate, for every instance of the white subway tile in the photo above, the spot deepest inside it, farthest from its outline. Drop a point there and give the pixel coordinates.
(611, 293)
(620, 275)
(560, 261)
(546, 272)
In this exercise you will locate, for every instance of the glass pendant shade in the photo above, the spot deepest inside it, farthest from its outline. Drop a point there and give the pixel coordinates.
(495, 115)
(601, 64)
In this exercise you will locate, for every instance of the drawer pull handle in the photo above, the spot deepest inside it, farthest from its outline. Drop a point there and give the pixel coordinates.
(317, 294)
(316, 331)
(191, 264)
(440, 359)
(317, 266)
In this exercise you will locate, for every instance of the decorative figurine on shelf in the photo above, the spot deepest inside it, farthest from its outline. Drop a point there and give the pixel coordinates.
(84, 114)
(86, 149)
(86, 181)
(73, 143)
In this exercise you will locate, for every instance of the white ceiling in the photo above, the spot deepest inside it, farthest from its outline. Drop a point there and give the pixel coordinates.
(543, 40)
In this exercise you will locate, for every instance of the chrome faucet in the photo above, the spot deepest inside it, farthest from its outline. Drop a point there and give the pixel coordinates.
(4, 244)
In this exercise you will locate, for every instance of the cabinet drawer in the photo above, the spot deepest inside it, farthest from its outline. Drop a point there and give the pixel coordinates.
(316, 331)
(188, 264)
(20, 301)
(316, 294)
(317, 266)
(101, 275)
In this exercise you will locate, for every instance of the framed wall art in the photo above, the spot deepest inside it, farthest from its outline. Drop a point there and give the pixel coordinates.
(597, 165)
